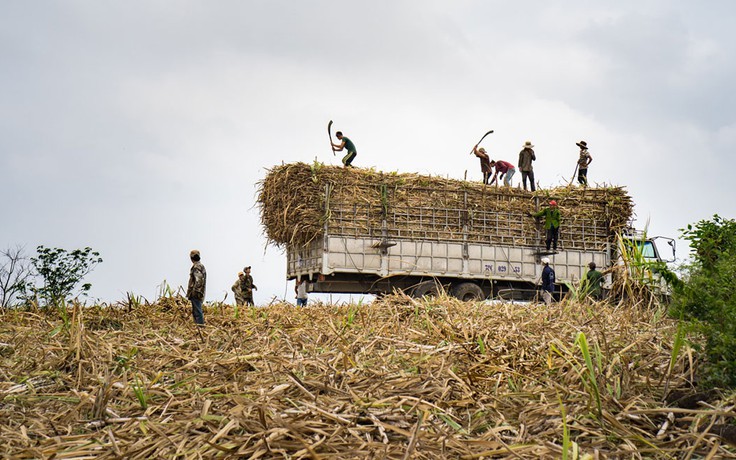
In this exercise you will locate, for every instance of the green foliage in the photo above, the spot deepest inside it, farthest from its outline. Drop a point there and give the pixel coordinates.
(707, 300)
(61, 272)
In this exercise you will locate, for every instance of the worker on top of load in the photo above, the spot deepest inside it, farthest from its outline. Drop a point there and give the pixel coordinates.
(551, 223)
(583, 161)
(485, 162)
(348, 145)
(505, 168)
(526, 156)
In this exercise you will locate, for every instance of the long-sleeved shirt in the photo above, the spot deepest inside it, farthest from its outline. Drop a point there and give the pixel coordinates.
(503, 166)
(526, 157)
(548, 279)
(197, 281)
(551, 217)
(248, 285)
(485, 162)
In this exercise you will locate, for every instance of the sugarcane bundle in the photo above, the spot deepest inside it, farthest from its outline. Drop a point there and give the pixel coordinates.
(300, 202)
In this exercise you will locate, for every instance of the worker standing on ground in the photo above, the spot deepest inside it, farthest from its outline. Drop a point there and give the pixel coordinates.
(594, 279)
(348, 145)
(248, 286)
(548, 281)
(505, 168)
(583, 161)
(526, 156)
(551, 223)
(237, 289)
(485, 162)
(197, 287)
(301, 291)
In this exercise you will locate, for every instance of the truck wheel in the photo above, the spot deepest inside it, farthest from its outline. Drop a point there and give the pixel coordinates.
(425, 289)
(468, 292)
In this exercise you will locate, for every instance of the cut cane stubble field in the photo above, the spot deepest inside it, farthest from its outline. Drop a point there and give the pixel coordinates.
(397, 378)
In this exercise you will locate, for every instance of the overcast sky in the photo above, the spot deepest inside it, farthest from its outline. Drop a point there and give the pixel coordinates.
(140, 128)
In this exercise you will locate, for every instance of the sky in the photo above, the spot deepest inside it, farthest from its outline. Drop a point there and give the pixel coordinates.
(141, 128)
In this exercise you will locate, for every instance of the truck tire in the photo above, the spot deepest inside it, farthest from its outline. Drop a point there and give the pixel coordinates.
(468, 292)
(425, 289)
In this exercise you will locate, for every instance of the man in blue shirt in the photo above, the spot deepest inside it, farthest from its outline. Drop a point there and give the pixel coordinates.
(548, 281)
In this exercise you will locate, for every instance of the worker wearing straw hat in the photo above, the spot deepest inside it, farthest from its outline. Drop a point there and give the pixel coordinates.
(526, 156)
(551, 223)
(583, 161)
(237, 289)
(248, 286)
(197, 286)
(485, 162)
(548, 281)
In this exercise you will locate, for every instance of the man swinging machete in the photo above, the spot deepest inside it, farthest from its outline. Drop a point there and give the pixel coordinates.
(345, 144)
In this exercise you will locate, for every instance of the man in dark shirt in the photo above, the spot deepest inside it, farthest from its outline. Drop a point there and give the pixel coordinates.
(247, 287)
(348, 145)
(485, 163)
(548, 281)
(594, 279)
(526, 156)
(197, 286)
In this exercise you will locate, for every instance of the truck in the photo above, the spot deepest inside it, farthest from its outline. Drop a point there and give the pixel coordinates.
(380, 233)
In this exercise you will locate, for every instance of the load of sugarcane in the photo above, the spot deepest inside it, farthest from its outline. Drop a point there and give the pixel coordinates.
(301, 202)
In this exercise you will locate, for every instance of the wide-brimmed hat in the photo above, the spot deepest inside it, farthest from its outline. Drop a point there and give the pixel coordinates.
(545, 260)
(552, 203)
(241, 274)
(528, 145)
(482, 150)
(193, 253)
(582, 144)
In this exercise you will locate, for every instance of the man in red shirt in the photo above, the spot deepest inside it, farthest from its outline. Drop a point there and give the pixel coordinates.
(505, 168)
(485, 162)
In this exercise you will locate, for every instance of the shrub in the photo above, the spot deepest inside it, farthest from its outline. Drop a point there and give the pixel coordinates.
(62, 271)
(707, 300)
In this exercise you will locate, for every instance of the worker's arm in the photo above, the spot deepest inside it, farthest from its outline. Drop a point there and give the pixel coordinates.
(339, 147)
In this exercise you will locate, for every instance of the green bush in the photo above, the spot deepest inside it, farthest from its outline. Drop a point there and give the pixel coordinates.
(61, 272)
(707, 300)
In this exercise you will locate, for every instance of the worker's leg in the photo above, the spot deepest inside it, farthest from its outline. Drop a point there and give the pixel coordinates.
(531, 180)
(348, 158)
(197, 311)
(507, 178)
(583, 177)
(555, 235)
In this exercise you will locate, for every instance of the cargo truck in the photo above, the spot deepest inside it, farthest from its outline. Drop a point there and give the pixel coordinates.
(383, 234)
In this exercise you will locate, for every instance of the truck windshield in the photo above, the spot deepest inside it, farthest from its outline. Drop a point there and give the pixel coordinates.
(647, 250)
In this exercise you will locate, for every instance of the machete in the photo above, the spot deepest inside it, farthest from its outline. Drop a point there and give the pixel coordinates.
(481, 139)
(329, 133)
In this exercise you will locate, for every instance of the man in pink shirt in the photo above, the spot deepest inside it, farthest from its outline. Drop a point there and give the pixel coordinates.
(505, 168)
